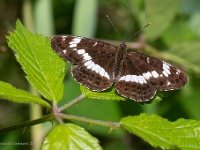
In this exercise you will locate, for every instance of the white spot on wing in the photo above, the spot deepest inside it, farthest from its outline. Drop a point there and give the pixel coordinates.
(166, 67)
(96, 68)
(151, 74)
(155, 74)
(74, 42)
(178, 71)
(64, 51)
(94, 44)
(81, 51)
(165, 73)
(86, 56)
(168, 83)
(73, 45)
(89, 64)
(64, 37)
(133, 78)
(147, 75)
(102, 72)
(148, 60)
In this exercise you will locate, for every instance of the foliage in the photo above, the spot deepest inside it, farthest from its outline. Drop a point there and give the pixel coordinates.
(27, 48)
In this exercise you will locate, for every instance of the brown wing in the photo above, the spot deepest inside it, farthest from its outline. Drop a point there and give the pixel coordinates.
(94, 77)
(142, 75)
(92, 60)
(70, 48)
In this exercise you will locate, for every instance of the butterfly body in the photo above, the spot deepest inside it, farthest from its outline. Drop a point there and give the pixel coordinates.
(98, 65)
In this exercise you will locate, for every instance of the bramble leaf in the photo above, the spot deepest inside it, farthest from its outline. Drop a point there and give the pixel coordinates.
(70, 137)
(159, 132)
(9, 92)
(44, 69)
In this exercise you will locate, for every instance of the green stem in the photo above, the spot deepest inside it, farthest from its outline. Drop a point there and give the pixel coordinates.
(56, 113)
(76, 100)
(27, 124)
(98, 122)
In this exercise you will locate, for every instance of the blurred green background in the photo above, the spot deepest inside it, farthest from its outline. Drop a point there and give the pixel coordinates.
(174, 35)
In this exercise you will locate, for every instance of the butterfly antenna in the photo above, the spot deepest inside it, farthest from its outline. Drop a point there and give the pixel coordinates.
(140, 30)
(114, 27)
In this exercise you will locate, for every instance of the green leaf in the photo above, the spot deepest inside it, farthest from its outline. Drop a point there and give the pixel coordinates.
(160, 16)
(188, 53)
(70, 137)
(178, 32)
(44, 69)
(109, 94)
(195, 22)
(11, 93)
(159, 132)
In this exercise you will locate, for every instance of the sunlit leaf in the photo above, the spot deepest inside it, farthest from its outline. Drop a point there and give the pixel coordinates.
(159, 132)
(70, 137)
(44, 69)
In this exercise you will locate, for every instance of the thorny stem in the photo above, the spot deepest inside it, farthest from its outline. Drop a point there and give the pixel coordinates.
(98, 122)
(76, 100)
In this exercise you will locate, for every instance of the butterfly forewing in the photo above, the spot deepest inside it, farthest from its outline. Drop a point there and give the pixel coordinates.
(92, 60)
(75, 48)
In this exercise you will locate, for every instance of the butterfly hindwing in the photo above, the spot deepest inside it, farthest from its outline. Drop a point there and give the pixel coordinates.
(91, 79)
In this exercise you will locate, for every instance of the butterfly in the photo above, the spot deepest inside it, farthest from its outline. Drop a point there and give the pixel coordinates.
(98, 66)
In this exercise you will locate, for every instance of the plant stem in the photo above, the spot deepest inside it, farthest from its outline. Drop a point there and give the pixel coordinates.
(27, 123)
(98, 122)
(57, 113)
(76, 100)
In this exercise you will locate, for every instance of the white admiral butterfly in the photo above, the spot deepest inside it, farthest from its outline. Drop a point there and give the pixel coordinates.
(98, 65)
